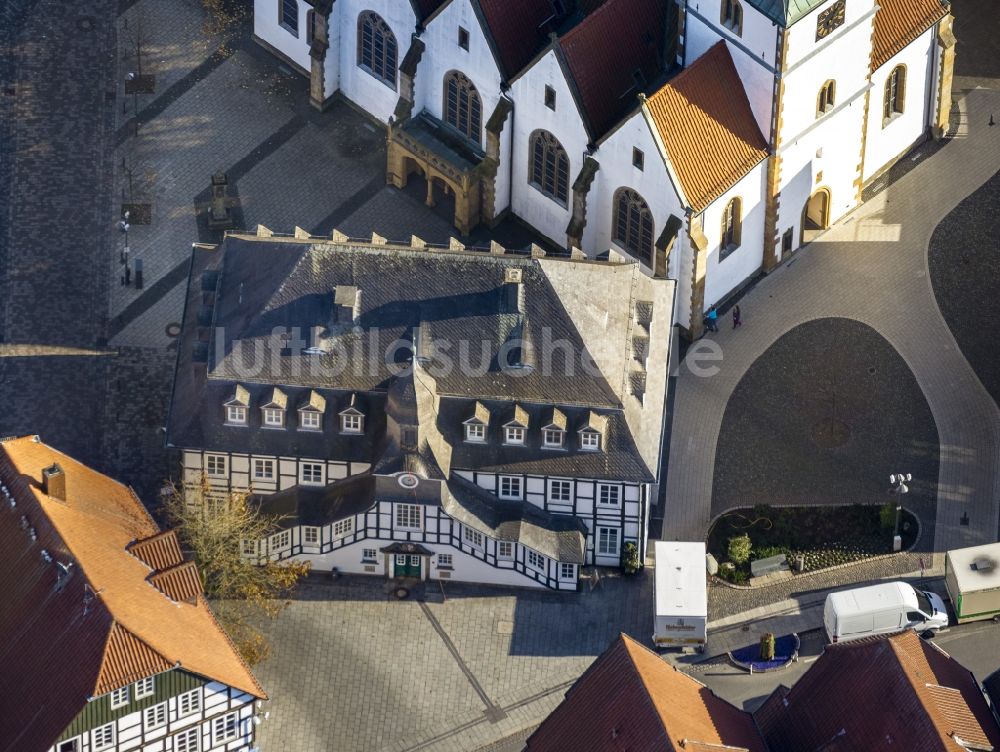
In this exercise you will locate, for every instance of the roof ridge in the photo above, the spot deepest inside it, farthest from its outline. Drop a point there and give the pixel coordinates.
(211, 614)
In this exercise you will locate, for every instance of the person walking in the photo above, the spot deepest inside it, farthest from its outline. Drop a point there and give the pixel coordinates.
(712, 319)
(737, 320)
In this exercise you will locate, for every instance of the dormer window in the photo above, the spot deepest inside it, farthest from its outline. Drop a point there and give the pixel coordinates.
(310, 420)
(236, 415)
(352, 422)
(513, 435)
(554, 428)
(590, 441)
(475, 432)
(274, 417)
(553, 437)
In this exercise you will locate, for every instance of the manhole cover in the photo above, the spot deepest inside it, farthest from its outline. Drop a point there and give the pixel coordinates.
(85, 23)
(173, 329)
(831, 433)
(872, 370)
(401, 593)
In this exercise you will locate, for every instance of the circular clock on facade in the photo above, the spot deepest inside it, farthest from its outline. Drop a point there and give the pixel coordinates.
(408, 480)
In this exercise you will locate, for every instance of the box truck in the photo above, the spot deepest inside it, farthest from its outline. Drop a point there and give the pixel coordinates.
(972, 577)
(882, 609)
(681, 583)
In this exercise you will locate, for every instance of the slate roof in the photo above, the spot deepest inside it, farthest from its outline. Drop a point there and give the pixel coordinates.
(613, 55)
(845, 695)
(631, 699)
(899, 22)
(424, 8)
(786, 12)
(106, 624)
(707, 127)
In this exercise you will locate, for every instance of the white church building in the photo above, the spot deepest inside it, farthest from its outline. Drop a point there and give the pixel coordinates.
(709, 139)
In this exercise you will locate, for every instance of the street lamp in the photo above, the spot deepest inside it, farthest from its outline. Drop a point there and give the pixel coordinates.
(123, 227)
(898, 485)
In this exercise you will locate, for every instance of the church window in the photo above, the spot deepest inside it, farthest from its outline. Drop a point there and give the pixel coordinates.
(550, 97)
(549, 168)
(895, 93)
(463, 110)
(638, 158)
(732, 16)
(633, 223)
(377, 48)
(732, 221)
(826, 98)
(463, 38)
(290, 16)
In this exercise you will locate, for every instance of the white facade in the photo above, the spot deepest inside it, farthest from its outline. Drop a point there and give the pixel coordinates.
(268, 27)
(214, 717)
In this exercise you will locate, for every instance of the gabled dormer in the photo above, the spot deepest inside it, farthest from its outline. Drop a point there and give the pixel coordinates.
(311, 412)
(352, 419)
(477, 425)
(516, 429)
(593, 432)
(237, 406)
(554, 429)
(273, 411)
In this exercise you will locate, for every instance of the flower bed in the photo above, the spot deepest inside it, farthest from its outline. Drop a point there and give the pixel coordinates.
(823, 536)
(786, 650)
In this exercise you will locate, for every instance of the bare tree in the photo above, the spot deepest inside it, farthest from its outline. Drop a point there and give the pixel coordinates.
(245, 592)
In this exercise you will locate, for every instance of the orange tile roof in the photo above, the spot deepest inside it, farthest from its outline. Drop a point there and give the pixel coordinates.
(705, 122)
(158, 551)
(103, 626)
(630, 698)
(179, 583)
(899, 22)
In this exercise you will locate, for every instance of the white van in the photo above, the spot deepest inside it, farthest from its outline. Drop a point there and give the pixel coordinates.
(882, 609)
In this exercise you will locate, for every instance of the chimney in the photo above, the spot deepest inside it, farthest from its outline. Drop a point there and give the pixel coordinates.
(513, 293)
(54, 482)
(346, 304)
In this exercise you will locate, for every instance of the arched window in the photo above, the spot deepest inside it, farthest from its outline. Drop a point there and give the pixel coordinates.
(826, 98)
(377, 48)
(633, 224)
(549, 167)
(895, 93)
(732, 16)
(732, 224)
(463, 109)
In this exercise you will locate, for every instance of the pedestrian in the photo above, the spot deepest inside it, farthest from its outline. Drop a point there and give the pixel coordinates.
(737, 321)
(712, 320)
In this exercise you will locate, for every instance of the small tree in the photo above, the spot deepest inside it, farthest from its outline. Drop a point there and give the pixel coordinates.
(630, 558)
(887, 516)
(767, 646)
(739, 549)
(243, 591)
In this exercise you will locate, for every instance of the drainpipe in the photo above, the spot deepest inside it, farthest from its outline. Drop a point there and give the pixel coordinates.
(510, 174)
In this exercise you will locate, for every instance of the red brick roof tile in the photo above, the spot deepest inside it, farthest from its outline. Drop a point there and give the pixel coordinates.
(899, 22)
(706, 124)
(631, 699)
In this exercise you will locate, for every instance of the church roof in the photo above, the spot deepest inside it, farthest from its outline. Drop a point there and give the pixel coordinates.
(899, 22)
(705, 122)
(786, 12)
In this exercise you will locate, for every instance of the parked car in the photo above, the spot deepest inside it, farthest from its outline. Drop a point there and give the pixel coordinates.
(882, 609)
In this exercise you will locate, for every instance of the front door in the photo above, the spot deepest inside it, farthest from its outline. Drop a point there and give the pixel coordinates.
(407, 566)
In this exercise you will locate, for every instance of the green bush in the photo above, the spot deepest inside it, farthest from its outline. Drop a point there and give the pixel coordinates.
(739, 549)
(765, 552)
(630, 558)
(767, 646)
(887, 516)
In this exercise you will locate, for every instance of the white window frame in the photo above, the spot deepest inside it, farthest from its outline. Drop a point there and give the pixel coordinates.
(119, 697)
(310, 536)
(567, 571)
(553, 438)
(145, 687)
(230, 724)
(99, 739)
(603, 548)
(513, 435)
(444, 561)
(561, 484)
(405, 514)
(274, 417)
(281, 541)
(609, 490)
(365, 554)
(263, 469)
(249, 547)
(501, 553)
(590, 441)
(69, 745)
(475, 433)
(158, 714)
(236, 415)
(343, 528)
(215, 465)
(473, 537)
(188, 740)
(192, 701)
(534, 560)
(311, 473)
(351, 423)
(511, 481)
(310, 420)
